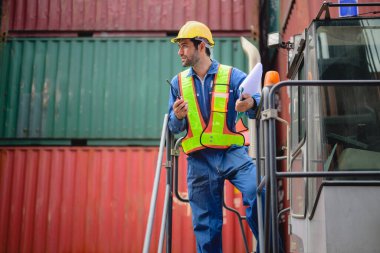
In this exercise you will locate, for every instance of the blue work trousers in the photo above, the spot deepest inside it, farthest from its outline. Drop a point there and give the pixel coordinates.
(207, 171)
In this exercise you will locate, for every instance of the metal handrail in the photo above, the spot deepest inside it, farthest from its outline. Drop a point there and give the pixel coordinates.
(163, 220)
(240, 219)
(153, 200)
(270, 159)
(175, 152)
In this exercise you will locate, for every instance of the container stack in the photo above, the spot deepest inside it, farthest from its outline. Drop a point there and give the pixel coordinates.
(83, 95)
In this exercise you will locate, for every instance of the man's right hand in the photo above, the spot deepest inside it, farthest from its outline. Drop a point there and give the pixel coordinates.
(180, 108)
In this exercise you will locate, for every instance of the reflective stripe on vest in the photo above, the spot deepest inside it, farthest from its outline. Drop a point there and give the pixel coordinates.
(216, 134)
(194, 117)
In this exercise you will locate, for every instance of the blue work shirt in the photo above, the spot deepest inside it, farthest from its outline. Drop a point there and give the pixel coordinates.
(203, 91)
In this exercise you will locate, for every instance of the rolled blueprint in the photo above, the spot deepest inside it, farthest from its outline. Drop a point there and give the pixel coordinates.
(252, 83)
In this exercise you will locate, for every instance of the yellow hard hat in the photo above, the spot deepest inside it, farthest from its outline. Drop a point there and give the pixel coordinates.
(194, 29)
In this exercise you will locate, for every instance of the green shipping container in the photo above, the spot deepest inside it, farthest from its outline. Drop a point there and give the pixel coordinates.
(106, 91)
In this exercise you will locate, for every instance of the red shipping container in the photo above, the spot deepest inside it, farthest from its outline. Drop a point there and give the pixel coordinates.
(134, 15)
(80, 199)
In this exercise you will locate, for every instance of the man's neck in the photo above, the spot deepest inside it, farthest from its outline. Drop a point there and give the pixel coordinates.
(202, 67)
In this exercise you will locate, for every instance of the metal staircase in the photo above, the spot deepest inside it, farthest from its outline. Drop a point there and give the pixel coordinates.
(170, 148)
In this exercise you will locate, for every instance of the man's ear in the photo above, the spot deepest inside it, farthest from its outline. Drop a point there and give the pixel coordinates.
(203, 46)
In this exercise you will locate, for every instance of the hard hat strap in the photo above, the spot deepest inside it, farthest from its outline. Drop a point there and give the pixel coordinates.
(205, 41)
(207, 45)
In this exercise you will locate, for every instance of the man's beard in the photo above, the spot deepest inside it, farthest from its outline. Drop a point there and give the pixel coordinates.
(190, 62)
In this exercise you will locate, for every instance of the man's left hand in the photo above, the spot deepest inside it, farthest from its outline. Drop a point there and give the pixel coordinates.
(245, 104)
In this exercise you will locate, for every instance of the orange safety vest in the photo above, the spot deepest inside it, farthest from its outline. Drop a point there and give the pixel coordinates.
(216, 134)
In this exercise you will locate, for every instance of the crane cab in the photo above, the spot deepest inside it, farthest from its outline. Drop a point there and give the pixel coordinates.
(334, 161)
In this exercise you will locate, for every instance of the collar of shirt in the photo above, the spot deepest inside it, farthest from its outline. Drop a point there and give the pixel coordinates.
(212, 70)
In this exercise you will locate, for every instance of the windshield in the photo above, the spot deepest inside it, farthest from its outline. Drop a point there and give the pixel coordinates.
(343, 129)
(348, 49)
(351, 127)
(343, 132)
(345, 121)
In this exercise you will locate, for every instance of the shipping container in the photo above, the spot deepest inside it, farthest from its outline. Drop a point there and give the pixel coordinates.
(127, 16)
(97, 89)
(82, 199)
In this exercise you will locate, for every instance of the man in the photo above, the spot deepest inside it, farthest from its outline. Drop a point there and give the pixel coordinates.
(204, 100)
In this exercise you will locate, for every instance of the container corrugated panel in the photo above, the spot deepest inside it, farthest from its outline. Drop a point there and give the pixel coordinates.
(92, 200)
(2, 28)
(113, 89)
(132, 15)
